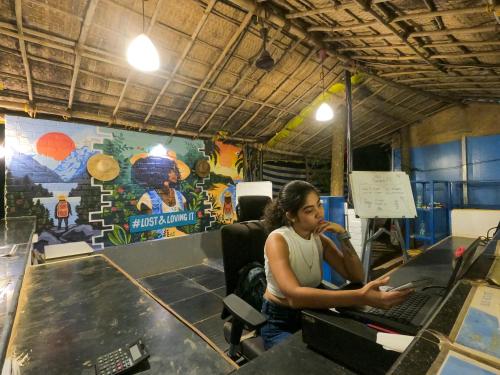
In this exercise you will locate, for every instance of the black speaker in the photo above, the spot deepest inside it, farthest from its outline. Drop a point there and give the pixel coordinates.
(346, 341)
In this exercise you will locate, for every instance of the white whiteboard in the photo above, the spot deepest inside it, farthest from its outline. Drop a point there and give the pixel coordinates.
(382, 194)
(254, 188)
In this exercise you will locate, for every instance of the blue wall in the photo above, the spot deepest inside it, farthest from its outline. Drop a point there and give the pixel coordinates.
(437, 162)
(483, 163)
(443, 162)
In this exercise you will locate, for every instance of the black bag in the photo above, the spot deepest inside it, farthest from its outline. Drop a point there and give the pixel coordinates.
(252, 284)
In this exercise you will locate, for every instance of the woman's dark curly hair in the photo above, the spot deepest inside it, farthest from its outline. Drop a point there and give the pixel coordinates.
(152, 171)
(290, 199)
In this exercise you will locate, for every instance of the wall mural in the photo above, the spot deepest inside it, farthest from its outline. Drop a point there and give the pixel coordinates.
(113, 187)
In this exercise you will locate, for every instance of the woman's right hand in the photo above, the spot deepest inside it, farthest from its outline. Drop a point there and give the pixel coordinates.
(372, 296)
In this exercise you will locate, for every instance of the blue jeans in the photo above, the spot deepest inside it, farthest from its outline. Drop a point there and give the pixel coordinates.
(281, 323)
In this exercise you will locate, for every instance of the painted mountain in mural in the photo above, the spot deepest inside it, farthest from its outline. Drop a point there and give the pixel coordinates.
(22, 165)
(74, 167)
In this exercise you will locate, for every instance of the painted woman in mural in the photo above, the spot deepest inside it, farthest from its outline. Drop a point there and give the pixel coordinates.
(228, 212)
(161, 176)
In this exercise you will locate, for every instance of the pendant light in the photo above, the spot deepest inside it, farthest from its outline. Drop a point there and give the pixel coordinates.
(142, 53)
(324, 112)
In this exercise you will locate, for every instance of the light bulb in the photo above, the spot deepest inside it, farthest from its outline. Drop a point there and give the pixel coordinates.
(142, 54)
(324, 112)
(158, 150)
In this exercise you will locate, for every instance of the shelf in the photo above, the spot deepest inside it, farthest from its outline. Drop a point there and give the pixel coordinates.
(420, 238)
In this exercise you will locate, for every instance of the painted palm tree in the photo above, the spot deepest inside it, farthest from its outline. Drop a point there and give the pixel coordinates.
(240, 162)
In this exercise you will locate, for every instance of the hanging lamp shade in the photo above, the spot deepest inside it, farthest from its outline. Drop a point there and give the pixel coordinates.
(324, 112)
(142, 54)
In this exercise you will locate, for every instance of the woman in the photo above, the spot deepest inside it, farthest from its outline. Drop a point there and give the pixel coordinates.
(294, 252)
(160, 175)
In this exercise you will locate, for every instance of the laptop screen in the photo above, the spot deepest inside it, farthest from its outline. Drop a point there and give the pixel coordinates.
(463, 263)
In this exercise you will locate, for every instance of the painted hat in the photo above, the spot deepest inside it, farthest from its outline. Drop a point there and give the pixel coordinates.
(61, 197)
(184, 170)
(202, 168)
(103, 167)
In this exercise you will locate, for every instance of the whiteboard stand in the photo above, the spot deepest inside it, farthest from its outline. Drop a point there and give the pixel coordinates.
(371, 235)
(384, 195)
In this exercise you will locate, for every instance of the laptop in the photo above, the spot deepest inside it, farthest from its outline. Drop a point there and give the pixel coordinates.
(412, 314)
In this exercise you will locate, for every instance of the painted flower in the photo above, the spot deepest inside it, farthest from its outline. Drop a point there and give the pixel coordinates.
(133, 202)
(200, 214)
(114, 209)
(120, 190)
(125, 226)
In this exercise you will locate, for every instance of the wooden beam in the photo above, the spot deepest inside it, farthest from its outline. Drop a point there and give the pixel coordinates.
(465, 55)
(392, 29)
(79, 47)
(61, 110)
(313, 12)
(372, 47)
(22, 47)
(386, 57)
(461, 30)
(447, 78)
(461, 84)
(350, 64)
(358, 37)
(342, 28)
(180, 61)
(473, 43)
(446, 12)
(230, 43)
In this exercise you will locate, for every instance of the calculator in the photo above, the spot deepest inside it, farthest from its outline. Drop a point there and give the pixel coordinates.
(122, 359)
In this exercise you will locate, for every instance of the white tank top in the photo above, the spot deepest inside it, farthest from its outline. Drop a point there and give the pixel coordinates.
(305, 257)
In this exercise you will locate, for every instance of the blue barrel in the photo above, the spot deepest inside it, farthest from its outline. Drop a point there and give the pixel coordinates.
(334, 212)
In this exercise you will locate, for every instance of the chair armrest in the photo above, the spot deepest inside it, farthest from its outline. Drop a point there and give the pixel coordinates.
(244, 312)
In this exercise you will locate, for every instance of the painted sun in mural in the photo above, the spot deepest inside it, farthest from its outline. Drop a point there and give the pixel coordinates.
(55, 145)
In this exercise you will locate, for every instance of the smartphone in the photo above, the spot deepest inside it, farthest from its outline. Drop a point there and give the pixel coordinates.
(415, 284)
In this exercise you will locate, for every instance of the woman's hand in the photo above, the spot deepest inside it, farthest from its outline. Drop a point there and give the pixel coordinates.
(372, 296)
(327, 226)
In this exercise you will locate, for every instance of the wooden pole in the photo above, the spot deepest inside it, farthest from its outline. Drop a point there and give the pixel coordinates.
(404, 134)
(338, 152)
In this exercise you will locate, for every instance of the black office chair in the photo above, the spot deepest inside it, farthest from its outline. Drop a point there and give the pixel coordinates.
(242, 244)
(251, 207)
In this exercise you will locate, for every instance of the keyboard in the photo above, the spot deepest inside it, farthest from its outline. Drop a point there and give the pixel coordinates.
(405, 312)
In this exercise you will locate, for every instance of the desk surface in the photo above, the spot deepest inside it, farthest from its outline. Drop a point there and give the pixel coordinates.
(72, 311)
(435, 263)
(292, 357)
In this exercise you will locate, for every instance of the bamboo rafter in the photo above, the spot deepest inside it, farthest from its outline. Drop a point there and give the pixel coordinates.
(184, 54)
(233, 39)
(132, 72)
(22, 47)
(79, 47)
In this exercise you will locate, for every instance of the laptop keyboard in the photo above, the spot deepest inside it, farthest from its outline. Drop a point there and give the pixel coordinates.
(404, 312)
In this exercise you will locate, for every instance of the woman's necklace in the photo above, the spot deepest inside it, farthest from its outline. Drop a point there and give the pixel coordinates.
(168, 197)
(312, 253)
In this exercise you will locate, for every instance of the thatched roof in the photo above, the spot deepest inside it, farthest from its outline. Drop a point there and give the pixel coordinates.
(412, 59)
